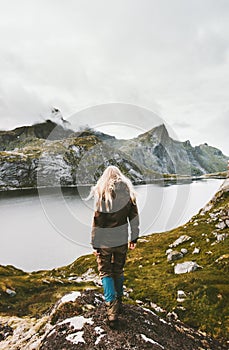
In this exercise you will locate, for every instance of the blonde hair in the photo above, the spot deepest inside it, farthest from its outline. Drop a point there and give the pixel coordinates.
(106, 184)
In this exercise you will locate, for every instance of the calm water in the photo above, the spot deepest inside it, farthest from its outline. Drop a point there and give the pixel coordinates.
(53, 229)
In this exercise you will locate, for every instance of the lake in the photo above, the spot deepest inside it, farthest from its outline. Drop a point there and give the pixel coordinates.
(52, 228)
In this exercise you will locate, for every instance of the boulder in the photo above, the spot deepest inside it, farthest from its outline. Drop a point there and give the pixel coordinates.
(221, 237)
(181, 239)
(174, 255)
(184, 251)
(181, 296)
(10, 292)
(187, 266)
(196, 250)
(221, 225)
(214, 216)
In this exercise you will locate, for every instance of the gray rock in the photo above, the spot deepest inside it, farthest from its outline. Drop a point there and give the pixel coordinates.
(221, 237)
(181, 296)
(187, 266)
(174, 255)
(181, 239)
(11, 292)
(221, 225)
(143, 240)
(184, 251)
(214, 216)
(172, 316)
(157, 308)
(196, 250)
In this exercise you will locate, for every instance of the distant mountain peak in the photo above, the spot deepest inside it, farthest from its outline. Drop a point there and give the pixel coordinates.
(158, 132)
(160, 129)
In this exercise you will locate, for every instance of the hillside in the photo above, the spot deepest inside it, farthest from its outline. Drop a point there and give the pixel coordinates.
(156, 280)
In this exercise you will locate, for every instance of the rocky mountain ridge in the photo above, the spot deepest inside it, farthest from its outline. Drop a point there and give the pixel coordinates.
(155, 149)
(54, 128)
(51, 154)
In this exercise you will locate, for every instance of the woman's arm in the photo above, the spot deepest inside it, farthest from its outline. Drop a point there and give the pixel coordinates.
(134, 222)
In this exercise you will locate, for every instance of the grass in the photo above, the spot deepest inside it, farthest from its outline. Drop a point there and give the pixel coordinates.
(152, 278)
(37, 292)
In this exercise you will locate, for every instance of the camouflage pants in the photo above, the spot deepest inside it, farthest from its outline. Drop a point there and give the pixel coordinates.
(111, 261)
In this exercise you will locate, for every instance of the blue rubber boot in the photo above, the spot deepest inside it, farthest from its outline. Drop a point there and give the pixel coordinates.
(108, 288)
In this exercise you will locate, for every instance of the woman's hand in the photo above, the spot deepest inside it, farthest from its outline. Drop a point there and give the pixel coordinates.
(132, 245)
(96, 252)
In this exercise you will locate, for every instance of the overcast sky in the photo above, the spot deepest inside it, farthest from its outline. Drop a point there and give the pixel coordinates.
(170, 57)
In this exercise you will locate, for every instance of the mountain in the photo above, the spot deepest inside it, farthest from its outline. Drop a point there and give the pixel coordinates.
(54, 128)
(52, 154)
(66, 162)
(156, 150)
(176, 294)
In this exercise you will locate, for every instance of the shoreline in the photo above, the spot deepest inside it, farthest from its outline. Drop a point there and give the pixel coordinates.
(166, 180)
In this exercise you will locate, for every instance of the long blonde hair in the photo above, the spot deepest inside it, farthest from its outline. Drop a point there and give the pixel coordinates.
(102, 191)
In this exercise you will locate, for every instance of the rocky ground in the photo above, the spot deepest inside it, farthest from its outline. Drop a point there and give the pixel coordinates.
(78, 321)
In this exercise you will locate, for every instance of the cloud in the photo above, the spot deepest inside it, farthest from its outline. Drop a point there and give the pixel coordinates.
(170, 57)
(181, 125)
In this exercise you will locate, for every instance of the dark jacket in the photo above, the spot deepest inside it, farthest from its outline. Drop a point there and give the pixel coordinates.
(110, 228)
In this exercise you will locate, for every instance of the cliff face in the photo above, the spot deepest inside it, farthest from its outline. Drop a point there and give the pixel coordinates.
(67, 162)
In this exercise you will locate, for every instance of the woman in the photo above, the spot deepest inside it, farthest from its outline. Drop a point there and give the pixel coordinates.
(115, 210)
